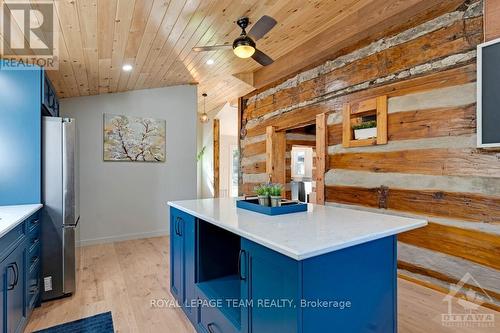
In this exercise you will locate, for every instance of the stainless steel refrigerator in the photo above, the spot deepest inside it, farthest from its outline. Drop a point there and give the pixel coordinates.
(61, 215)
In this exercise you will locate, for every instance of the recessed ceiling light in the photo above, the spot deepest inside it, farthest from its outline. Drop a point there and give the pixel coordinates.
(127, 68)
(210, 61)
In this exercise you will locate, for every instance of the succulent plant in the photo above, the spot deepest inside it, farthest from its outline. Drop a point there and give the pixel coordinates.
(366, 124)
(262, 190)
(275, 190)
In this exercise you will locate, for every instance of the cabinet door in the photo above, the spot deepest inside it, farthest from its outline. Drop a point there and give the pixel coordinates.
(176, 256)
(14, 284)
(3, 291)
(270, 283)
(187, 230)
(20, 133)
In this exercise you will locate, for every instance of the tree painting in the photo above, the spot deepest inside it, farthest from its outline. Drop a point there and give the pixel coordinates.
(133, 139)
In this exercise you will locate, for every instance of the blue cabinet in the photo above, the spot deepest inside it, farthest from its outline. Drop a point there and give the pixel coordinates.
(14, 289)
(182, 257)
(258, 290)
(25, 95)
(18, 275)
(50, 102)
(33, 263)
(270, 285)
(20, 136)
(176, 257)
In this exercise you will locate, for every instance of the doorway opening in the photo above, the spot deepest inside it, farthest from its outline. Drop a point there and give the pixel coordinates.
(296, 157)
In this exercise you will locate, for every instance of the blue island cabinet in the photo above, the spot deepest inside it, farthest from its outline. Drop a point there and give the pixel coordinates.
(182, 265)
(270, 286)
(259, 290)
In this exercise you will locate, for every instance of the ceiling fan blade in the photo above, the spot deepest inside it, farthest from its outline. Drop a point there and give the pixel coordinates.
(211, 47)
(262, 27)
(262, 58)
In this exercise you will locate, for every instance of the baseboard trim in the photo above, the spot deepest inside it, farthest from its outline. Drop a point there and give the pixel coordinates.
(112, 239)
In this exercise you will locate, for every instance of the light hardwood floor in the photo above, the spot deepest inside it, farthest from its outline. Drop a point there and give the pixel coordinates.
(124, 277)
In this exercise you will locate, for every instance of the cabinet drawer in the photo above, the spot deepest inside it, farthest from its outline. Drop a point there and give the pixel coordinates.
(34, 239)
(33, 222)
(34, 258)
(9, 241)
(211, 319)
(33, 285)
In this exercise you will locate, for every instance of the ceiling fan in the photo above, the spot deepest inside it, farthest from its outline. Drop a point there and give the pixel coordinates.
(244, 45)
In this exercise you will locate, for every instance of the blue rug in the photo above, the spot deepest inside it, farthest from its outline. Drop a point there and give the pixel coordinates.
(101, 323)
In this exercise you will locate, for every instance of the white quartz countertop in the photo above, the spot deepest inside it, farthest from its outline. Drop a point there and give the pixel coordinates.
(11, 216)
(320, 230)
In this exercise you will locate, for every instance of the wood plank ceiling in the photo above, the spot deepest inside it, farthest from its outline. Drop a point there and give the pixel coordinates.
(97, 37)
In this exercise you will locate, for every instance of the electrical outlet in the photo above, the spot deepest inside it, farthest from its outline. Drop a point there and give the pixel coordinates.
(47, 283)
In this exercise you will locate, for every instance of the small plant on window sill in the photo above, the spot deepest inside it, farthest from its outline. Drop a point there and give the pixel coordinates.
(365, 130)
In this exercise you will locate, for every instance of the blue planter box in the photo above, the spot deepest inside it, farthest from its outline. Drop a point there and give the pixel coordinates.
(253, 205)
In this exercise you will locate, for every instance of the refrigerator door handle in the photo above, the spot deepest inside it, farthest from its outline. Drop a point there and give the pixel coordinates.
(74, 225)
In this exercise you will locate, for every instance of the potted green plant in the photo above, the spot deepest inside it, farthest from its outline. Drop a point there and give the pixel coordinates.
(365, 130)
(275, 193)
(262, 192)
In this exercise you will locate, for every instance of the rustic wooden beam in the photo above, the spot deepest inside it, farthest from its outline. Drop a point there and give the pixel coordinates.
(382, 120)
(430, 123)
(476, 246)
(307, 114)
(454, 205)
(439, 161)
(276, 155)
(216, 133)
(254, 149)
(321, 156)
(491, 19)
(248, 188)
(257, 167)
(241, 107)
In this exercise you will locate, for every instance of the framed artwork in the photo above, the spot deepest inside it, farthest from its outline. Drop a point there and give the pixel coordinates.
(133, 139)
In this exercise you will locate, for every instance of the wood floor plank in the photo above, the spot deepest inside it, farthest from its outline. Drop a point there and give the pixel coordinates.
(124, 277)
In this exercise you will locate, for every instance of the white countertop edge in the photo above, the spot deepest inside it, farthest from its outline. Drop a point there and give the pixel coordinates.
(29, 209)
(306, 255)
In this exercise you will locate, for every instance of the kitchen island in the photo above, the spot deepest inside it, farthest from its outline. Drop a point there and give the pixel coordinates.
(328, 269)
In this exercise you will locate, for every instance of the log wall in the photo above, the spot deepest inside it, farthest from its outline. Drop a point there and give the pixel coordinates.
(429, 168)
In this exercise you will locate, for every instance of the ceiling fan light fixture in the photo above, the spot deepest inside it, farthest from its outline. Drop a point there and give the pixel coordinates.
(244, 47)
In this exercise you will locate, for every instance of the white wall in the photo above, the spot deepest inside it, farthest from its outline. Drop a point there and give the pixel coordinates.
(228, 117)
(207, 161)
(123, 200)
